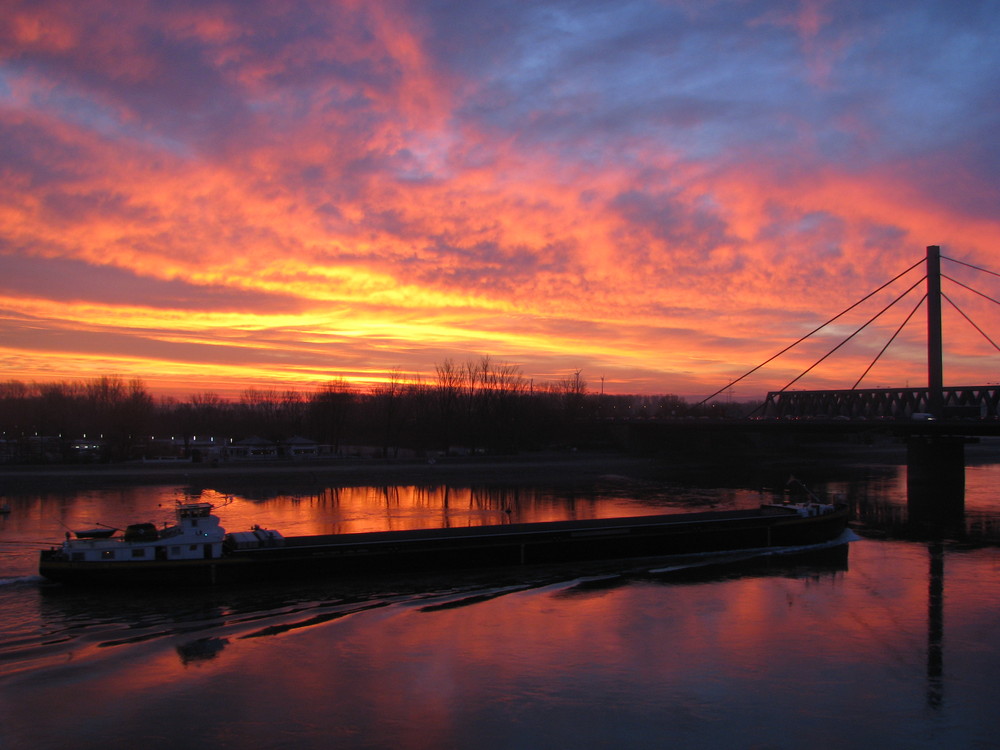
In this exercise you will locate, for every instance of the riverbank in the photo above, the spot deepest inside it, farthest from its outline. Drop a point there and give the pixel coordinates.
(554, 468)
(549, 467)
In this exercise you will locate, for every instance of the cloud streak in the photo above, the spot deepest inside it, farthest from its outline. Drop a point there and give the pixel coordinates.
(217, 194)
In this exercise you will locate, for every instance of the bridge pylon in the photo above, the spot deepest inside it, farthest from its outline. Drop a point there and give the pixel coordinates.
(935, 348)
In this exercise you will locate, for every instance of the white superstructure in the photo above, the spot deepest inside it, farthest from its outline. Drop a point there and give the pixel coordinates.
(197, 535)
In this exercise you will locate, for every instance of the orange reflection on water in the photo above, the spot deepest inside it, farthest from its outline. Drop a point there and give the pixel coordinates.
(348, 510)
(782, 645)
(636, 647)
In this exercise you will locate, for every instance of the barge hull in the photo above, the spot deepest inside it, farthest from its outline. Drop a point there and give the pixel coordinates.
(472, 547)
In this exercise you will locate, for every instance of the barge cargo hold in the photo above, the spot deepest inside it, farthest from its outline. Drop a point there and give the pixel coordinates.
(197, 550)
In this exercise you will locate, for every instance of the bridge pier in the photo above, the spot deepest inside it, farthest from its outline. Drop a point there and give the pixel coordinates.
(935, 479)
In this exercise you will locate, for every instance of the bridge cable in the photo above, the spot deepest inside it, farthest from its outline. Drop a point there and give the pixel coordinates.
(960, 312)
(974, 291)
(859, 330)
(889, 342)
(815, 330)
(977, 268)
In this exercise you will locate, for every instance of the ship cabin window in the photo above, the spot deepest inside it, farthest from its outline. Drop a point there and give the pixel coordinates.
(193, 548)
(108, 554)
(138, 553)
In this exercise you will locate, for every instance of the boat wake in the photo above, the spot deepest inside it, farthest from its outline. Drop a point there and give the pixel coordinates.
(709, 559)
(21, 580)
(82, 624)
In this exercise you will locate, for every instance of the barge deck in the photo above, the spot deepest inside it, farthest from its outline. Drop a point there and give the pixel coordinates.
(265, 554)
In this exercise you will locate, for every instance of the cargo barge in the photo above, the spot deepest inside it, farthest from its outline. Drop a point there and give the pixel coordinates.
(197, 550)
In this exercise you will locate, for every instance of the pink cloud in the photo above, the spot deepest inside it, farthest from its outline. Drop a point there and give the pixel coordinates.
(334, 195)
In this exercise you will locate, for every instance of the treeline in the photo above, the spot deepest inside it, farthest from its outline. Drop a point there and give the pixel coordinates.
(477, 405)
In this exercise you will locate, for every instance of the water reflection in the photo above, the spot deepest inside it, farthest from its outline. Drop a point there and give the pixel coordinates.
(46, 517)
(200, 649)
(202, 623)
(885, 519)
(935, 625)
(878, 507)
(767, 652)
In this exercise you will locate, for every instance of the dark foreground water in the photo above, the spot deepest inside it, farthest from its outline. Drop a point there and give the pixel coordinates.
(884, 642)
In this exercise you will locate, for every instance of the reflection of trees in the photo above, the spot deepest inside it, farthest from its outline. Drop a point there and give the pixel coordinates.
(439, 505)
(511, 500)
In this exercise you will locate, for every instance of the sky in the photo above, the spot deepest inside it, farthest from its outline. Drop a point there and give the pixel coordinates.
(217, 195)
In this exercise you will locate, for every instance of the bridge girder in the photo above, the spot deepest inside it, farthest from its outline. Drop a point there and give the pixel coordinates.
(977, 401)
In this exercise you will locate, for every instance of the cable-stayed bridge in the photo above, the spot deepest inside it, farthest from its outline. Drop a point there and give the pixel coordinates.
(933, 401)
(935, 420)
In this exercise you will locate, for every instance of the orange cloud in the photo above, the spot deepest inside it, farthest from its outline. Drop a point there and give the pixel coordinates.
(306, 194)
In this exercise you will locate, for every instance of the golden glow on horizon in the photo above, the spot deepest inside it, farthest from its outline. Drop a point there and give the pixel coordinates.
(171, 378)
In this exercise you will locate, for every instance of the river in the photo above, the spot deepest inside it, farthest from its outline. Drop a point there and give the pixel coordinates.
(889, 641)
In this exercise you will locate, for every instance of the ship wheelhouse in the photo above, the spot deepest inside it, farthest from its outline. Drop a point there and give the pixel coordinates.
(197, 535)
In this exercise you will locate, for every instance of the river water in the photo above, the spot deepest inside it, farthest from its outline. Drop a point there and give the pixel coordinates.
(890, 640)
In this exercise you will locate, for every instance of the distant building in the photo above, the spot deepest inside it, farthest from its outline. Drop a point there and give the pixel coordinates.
(253, 448)
(86, 449)
(300, 447)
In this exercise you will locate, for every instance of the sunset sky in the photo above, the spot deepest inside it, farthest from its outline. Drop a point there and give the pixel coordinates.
(213, 196)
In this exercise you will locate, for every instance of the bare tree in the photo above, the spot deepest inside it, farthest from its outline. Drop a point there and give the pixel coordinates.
(386, 397)
(573, 390)
(261, 412)
(448, 392)
(330, 410)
